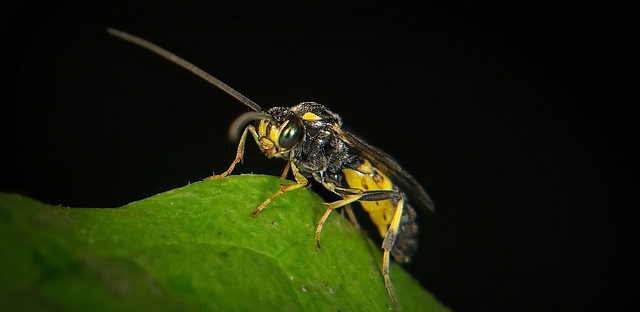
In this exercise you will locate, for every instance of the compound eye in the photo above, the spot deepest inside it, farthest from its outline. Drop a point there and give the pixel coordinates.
(291, 134)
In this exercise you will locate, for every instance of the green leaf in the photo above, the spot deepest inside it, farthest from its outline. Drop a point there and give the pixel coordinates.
(194, 248)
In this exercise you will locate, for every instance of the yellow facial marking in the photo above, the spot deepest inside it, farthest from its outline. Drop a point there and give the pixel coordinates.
(262, 128)
(310, 117)
(274, 134)
(266, 144)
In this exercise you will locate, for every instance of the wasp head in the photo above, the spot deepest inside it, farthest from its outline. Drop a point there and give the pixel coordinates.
(280, 133)
(280, 129)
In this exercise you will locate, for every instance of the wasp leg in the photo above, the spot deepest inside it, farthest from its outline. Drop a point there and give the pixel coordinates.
(352, 216)
(392, 232)
(286, 170)
(351, 195)
(356, 195)
(301, 182)
(239, 153)
(387, 245)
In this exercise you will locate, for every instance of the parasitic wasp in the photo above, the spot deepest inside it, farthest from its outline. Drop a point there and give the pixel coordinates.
(311, 139)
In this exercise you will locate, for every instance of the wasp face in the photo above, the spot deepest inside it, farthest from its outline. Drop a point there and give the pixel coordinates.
(277, 136)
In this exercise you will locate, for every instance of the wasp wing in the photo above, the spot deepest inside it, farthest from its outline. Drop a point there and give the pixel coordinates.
(389, 166)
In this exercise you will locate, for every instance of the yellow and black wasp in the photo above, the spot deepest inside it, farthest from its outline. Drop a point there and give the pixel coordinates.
(311, 139)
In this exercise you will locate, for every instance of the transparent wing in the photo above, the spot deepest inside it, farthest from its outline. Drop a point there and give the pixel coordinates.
(389, 166)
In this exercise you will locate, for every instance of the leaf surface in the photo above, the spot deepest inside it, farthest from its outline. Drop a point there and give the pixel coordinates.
(195, 248)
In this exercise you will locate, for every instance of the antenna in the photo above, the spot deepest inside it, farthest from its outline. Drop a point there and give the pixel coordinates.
(184, 64)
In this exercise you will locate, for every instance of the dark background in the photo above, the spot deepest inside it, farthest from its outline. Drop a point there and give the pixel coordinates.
(512, 116)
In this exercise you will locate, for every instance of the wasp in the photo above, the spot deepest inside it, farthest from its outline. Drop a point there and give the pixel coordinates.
(311, 139)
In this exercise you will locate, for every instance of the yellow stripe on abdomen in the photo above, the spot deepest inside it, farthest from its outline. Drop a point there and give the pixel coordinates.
(369, 178)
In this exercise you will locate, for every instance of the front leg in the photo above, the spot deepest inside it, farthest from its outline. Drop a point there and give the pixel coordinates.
(239, 153)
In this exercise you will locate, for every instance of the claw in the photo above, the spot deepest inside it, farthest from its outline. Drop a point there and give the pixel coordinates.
(254, 213)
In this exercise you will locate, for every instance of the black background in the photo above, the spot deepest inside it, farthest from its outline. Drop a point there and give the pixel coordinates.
(510, 115)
